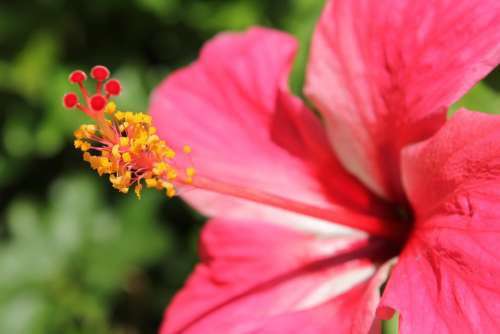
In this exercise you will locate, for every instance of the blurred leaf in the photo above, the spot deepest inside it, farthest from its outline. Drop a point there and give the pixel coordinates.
(158, 7)
(232, 15)
(33, 65)
(134, 96)
(22, 315)
(79, 251)
(480, 98)
(17, 137)
(301, 23)
(23, 219)
(48, 139)
(4, 74)
(6, 171)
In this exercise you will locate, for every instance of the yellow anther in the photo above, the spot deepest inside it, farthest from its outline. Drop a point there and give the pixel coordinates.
(171, 174)
(153, 139)
(170, 153)
(126, 157)
(126, 147)
(85, 146)
(137, 190)
(115, 179)
(116, 151)
(124, 141)
(190, 171)
(110, 108)
(151, 183)
(119, 116)
(170, 190)
(79, 134)
(159, 168)
(104, 162)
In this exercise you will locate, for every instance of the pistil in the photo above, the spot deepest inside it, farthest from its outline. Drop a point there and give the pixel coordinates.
(124, 145)
(373, 225)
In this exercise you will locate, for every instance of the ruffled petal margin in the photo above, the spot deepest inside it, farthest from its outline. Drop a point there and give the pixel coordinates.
(383, 74)
(446, 280)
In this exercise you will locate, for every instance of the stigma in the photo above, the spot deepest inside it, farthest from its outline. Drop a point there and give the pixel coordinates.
(124, 145)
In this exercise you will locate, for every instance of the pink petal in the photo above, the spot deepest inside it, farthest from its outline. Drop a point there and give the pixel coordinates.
(447, 278)
(383, 73)
(247, 131)
(352, 312)
(265, 278)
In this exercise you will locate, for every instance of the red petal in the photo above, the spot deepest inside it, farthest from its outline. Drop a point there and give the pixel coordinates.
(384, 72)
(263, 278)
(233, 107)
(447, 278)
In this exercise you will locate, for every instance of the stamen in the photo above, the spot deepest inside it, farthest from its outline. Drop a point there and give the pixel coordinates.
(124, 145)
(378, 226)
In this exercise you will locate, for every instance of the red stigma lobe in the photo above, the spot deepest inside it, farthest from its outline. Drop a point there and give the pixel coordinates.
(98, 102)
(113, 87)
(70, 100)
(99, 73)
(92, 105)
(77, 76)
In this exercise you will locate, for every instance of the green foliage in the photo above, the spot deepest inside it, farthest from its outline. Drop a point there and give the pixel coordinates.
(69, 254)
(75, 256)
(481, 97)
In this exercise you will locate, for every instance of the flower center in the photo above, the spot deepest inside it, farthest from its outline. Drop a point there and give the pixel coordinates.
(124, 145)
(405, 218)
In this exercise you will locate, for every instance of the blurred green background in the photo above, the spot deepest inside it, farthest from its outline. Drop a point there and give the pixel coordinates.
(76, 256)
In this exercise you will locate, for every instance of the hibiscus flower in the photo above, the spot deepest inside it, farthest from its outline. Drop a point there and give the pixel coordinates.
(311, 214)
(382, 159)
